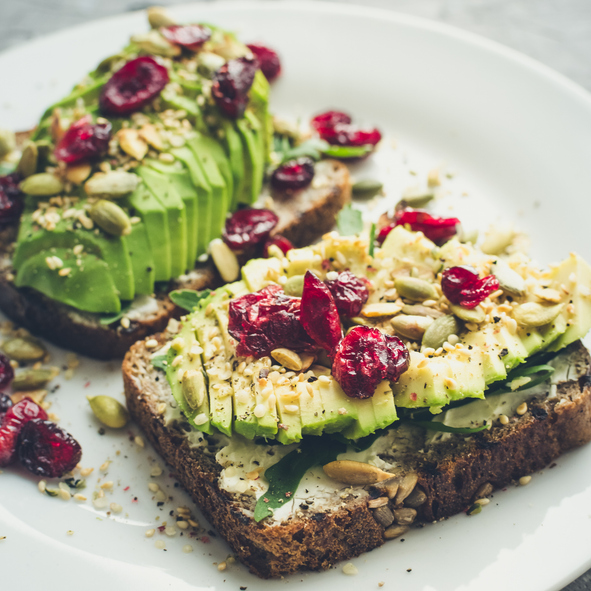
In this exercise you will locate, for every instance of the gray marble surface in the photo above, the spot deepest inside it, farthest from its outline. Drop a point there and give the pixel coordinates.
(555, 32)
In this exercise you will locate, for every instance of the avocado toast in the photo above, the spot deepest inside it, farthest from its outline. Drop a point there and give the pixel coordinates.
(297, 474)
(128, 179)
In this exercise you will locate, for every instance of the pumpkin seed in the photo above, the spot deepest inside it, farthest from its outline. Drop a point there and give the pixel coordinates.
(113, 184)
(418, 310)
(42, 184)
(532, 314)
(225, 260)
(193, 388)
(294, 286)
(110, 217)
(108, 411)
(208, 62)
(131, 143)
(288, 358)
(406, 487)
(417, 198)
(438, 333)
(405, 516)
(411, 327)
(32, 379)
(159, 17)
(413, 288)
(153, 42)
(475, 315)
(367, 188)
(27, 165)
(78, 173)
(7, 142)
(24, 349)
(509, 280)
(356, 473)
(497, 240)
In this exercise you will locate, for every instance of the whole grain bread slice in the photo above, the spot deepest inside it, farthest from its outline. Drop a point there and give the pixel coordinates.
(436, 483)
(303, 218)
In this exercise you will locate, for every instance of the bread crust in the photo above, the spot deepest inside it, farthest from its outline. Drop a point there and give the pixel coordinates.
(450, 478)
(303, 218)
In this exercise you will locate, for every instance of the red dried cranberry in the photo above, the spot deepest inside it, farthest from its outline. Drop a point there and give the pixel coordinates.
(5, 403)
(133, 86)
(231, 84)
(11, 199)
(83, 141)
(268, 60)
(320, 316)
(349, 293)
(6, 372)
(350, 135)
(249, 227)
(330, 119)
(266, 320)
(293, 175)
(280, 242)
(12, 423)
(190, 36)
(365, 357)
(437, 229)
(45, 449)
(463, 287)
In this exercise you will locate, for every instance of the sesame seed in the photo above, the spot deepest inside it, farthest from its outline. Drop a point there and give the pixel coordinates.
(193, 523)
(230, 560)
(453, 339)
(151, 344)
(86, 471)
(139, 441)
(504, 420)
(182, 524)
(160, 496)
(187, 548)
(350, 569)
(100, 503)
(107, 485)
(65, 495)
(482, 502)
(64, 272)
(105, 466)
(41, 486)
(324, 379)
(116, 507)
(160, 544)
(152, 486)
(170, 530)
(522, 408)
(222, 566)
(260, 410)
(79, 497)
(524, 480)
(450, 383)
(156, 471)
(150, 533)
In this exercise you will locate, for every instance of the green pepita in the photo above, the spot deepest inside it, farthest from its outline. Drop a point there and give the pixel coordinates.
(32, 379)
(367, 188)
(27, 165)
(158, 17)
(24, 349)
(110, 217)
(441, 329)
(112, 185)
(509, 280)
(411, 327)
(532, 314)
(108, 411)
(417, 198)
(153, 42)
(294, 286)
(475, 315)
(7, 142)
(42, 184)
(413, 288)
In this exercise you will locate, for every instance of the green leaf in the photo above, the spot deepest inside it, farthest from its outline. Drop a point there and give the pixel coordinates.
(284, 476)
(188, 298)
(347, 151)
(159, 362)
(372, 239)
(106, 319)
(312, 148)
(349, 221)
(437, 426)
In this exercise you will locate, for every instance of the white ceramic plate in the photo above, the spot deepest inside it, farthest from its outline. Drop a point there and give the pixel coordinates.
(517, 136)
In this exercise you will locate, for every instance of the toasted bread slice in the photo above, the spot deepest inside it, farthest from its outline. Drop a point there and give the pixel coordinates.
(444, 479)
(303, 218)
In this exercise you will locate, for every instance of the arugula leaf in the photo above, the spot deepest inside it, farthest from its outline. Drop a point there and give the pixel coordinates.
(106, 319)
(159, 362)
(372, 239)
(437, 426)
(347, 151)
(188, 298)
(284, 476)
(349, 221)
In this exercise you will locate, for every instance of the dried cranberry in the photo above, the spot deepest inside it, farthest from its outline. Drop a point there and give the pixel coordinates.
(463, 287)
(350, 135)
(268, 60)
(249, 227)
(190, 36)
(12, 423)
(133, 86)
(437, 229)
(365, 357)
(293, 175)
(280, 242)
(320, 316)
(5, 403)
(231, 84)
(330, 119)
(266, 320)
(45, 449)
(11, 199)
(6, 372)
(349, 293)
(84, 140)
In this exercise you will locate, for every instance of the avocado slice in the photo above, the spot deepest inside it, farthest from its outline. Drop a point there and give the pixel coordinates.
(234, 150)
(289, 429)
(204, 197)
(88, 286)
(253, 161)
(142, 260)
(155, 218)
(217, 151)
(259, 104)
(167, 195)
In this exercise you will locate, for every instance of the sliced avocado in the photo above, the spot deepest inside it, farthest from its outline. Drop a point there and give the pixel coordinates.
(217, 151)
(253, 161)
(339, 409)
(258, 273)
(88, 286)
(235, 153)
(178, 102)
(259, 103)
(200, 145)
(155, 218)
(261, 157)
(185, 375)
(289, 428)
(311, 408)
(142, 260)
(168, 196)
(204, 197)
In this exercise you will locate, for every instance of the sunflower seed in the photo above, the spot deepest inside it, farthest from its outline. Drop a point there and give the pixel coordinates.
(288, 358)
(419, 310)
(411, 327)
(404, 516)
(356, 473)
(406, 487)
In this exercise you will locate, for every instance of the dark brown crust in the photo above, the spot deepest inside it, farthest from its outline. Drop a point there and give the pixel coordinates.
(303, 219)
(318, 541)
